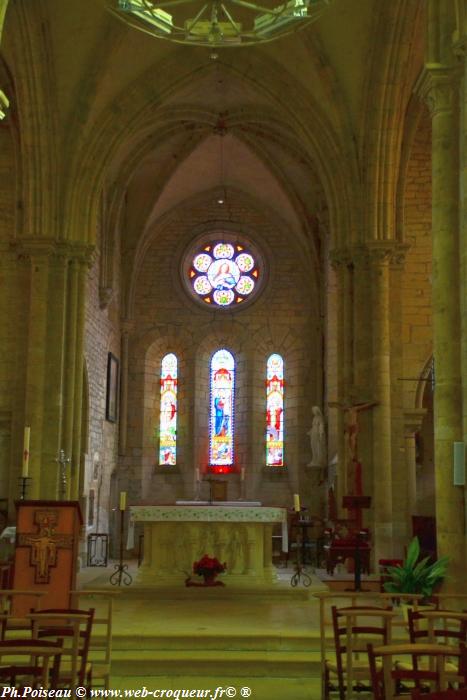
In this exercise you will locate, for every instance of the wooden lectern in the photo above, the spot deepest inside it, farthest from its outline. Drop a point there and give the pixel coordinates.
(47, 537)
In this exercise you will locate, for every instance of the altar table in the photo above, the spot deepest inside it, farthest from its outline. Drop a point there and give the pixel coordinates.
(177, 536)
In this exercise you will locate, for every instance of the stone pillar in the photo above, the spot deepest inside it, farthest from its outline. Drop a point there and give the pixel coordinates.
(362, 360)
(35, 394)
(439, 85)
(55, 359)
(412, 423)
(339, 261)
(460, 48)
(380, 255)
(126, 327)
(77, 463)
(70, 360)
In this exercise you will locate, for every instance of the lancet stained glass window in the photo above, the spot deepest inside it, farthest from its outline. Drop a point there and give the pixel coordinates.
(223, 274)
(275, 411)
(168, 412)
(221, 432)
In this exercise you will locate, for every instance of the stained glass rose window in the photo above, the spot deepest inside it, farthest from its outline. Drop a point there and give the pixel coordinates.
(223, 274)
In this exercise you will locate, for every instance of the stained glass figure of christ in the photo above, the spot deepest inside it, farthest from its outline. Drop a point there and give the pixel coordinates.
(221, 429)
(168, 412)
(275, 411)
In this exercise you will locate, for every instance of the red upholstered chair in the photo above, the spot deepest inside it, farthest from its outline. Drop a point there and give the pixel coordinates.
(460, 694)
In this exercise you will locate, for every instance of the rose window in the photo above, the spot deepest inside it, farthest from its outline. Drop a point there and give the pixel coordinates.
(223, 274)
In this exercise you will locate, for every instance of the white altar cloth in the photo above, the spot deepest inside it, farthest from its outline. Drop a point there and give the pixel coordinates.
(176, 536)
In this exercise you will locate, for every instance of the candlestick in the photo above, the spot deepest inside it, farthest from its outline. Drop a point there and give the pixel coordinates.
(296, 502)
(197, 474)
(27, 436)
(122, 500)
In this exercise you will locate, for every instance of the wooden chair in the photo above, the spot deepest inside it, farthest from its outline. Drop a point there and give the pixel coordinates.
(100, 647)
(425, 666)
(74, 628)
(29, 662)
(440, 627)
(354, 628)
(450, 694)
(12, 600)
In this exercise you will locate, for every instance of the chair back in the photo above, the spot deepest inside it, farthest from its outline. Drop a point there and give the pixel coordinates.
(424, 664)
(74, 628)
(354, 628)
(100, 647)
(437, 626)
(29, 663)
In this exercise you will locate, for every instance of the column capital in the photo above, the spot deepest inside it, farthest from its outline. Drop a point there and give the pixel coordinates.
(437, 87)
(380, 252)
(413, 418)
(340, 257)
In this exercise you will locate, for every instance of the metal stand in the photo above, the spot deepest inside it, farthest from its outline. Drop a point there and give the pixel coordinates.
(23, 480)
(360, 536)
(300, 572)
(121, 573)
(62, 488)
(242, 490)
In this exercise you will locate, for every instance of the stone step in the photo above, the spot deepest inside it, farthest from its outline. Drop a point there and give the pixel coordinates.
(228, 642)
(280, 664)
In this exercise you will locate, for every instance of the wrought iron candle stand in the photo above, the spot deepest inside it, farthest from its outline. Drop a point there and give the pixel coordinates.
(299, 571)
(121, 573)
(23, 481)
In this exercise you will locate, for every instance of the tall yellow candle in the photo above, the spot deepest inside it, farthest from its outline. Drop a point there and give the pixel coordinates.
(122, 500)
(27, 436)
(296, 502)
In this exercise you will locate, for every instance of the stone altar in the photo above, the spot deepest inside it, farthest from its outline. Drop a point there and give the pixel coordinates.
(176, 536)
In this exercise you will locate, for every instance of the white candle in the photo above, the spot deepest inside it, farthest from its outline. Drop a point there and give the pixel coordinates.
(296, 502)
(27, 436)
(242, 474)
(122, 500)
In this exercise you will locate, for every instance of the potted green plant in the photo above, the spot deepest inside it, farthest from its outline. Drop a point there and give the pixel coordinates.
(414, 576)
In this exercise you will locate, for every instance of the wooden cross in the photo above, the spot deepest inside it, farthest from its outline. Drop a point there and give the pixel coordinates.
(44, 544)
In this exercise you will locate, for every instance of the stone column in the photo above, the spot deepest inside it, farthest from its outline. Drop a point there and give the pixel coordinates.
(339, 261)
(362, 360)
(55, 359)
(35, 394)
(439, 85)
(412, 423)
(70, 359)
(126, 328)
(380, 256)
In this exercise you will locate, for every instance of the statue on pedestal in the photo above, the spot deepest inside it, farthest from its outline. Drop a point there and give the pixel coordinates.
(317, 435)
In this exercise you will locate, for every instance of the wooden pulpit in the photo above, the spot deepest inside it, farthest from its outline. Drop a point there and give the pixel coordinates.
(47, 538)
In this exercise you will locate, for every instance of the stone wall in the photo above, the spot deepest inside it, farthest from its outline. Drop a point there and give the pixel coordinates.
(417, 327)
(282, 319)
(102, 336)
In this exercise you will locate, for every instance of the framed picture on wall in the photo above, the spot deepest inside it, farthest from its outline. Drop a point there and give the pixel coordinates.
(111, 404)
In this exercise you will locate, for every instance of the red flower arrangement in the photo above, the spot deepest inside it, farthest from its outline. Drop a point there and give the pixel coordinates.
(209, 568)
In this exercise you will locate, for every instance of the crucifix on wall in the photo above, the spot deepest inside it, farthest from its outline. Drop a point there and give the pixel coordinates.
(351, 431)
